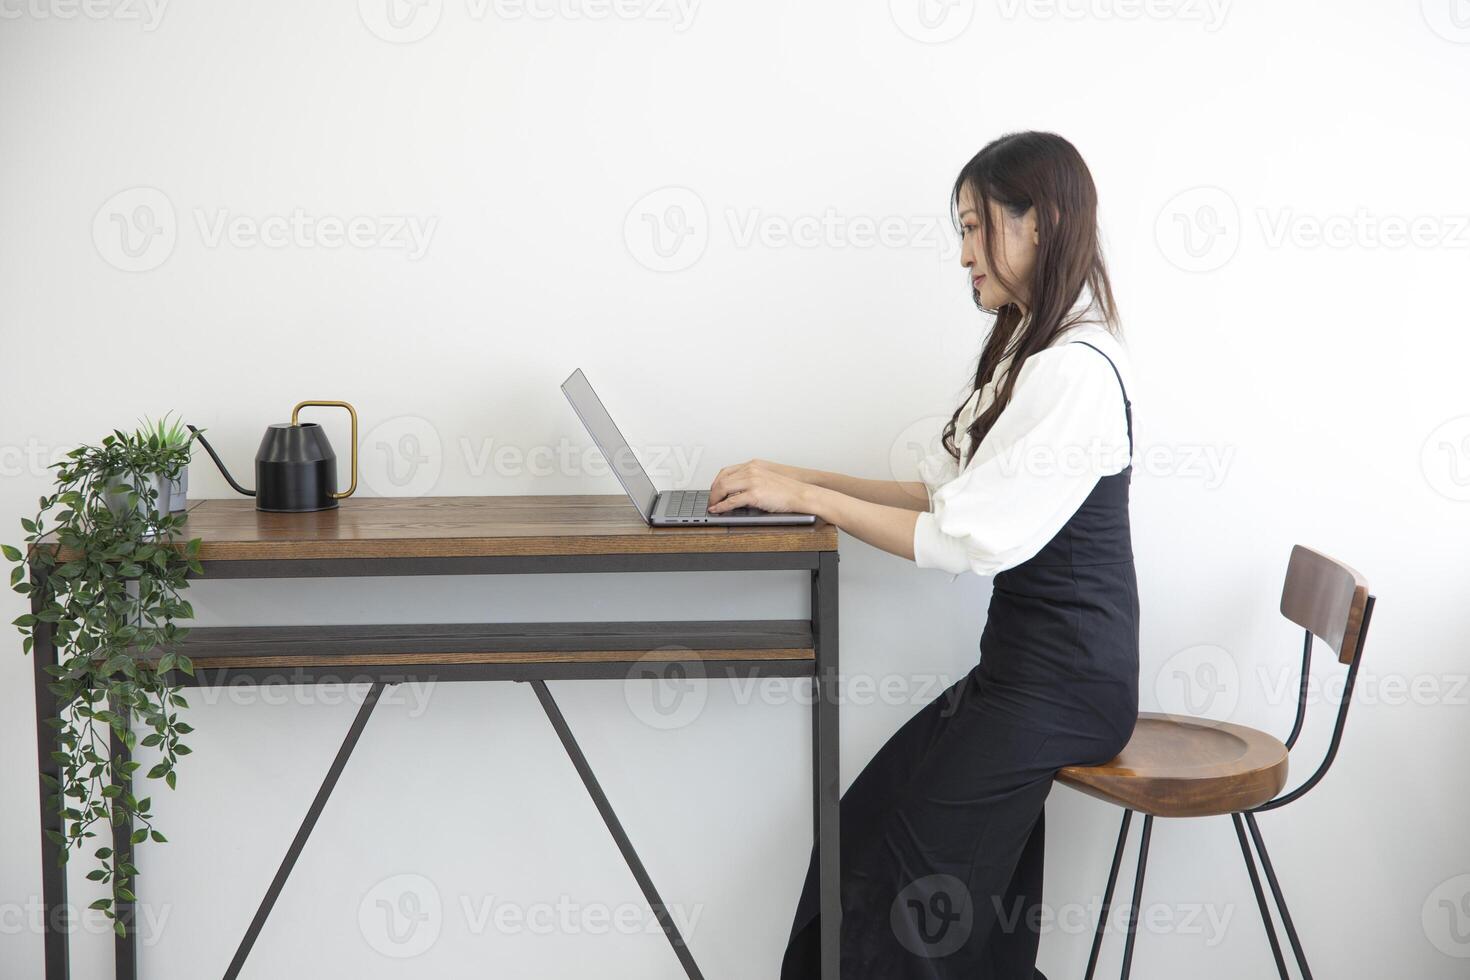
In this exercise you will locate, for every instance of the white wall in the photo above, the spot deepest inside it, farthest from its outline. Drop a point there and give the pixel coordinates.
(1292, 389)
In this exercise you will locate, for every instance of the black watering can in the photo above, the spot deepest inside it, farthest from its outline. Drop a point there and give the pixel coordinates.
(295, 468)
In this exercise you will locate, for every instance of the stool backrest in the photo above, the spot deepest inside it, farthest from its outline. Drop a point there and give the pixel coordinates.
(1332, 603)
(1327, 599)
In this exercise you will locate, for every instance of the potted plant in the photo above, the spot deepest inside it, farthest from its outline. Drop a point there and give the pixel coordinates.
(104, 572)
(171, 434)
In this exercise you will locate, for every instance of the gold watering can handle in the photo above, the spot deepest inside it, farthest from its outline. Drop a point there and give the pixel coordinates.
(350, 411)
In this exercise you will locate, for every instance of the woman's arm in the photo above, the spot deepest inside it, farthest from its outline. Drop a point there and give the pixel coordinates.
(774, 488)
(882, 526)
(904, 494)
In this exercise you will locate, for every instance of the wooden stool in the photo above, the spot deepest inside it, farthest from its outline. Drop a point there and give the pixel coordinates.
(1178, 766)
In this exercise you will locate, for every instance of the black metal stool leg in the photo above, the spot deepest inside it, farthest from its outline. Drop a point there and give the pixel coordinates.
(1296, 945)
(1102, 917)
(1250, 865)
(1148, 824)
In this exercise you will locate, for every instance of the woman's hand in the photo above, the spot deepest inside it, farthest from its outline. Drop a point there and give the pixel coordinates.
(761, 484)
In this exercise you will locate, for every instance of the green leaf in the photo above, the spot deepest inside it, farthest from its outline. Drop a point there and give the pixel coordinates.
(158, 837)
(11, 552)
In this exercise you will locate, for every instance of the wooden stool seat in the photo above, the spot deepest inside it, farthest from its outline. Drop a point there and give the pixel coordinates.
(1180, 766)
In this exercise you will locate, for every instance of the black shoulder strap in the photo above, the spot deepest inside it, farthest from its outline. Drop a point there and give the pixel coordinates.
(1127, 405)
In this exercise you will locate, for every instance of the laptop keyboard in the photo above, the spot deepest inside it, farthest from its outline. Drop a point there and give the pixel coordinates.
(695, 503)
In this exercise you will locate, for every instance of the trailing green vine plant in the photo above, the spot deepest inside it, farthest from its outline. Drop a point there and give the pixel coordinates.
(107, 529)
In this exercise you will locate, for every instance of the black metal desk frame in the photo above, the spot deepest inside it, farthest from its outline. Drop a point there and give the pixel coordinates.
(822, 668)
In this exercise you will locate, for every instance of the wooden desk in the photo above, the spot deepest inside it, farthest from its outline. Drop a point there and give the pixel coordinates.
(477, 536)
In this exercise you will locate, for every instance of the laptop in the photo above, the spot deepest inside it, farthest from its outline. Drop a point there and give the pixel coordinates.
(658, 508)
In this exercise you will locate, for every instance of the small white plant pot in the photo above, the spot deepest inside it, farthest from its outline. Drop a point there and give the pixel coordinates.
(117, 501)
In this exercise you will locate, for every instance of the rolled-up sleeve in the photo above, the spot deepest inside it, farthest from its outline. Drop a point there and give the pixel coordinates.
(1063, 430)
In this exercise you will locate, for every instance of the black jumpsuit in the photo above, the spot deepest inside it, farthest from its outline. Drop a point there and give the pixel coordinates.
(943, 832)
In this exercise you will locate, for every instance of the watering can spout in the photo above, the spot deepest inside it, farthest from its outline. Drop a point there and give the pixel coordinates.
(218, 462)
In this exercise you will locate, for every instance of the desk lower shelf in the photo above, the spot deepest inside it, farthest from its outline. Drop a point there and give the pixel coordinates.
(781, 647)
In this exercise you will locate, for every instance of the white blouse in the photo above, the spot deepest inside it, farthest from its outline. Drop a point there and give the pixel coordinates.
(1063, 430)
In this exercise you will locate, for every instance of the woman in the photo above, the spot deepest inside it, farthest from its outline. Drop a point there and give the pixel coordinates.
(943, 831)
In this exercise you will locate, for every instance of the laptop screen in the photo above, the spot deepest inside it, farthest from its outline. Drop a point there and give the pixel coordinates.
(610, 441)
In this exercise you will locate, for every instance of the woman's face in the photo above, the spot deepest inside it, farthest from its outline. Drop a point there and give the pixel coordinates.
(1015, 252)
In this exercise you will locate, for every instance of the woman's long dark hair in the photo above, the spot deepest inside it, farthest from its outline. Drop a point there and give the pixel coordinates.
(1020, 171)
